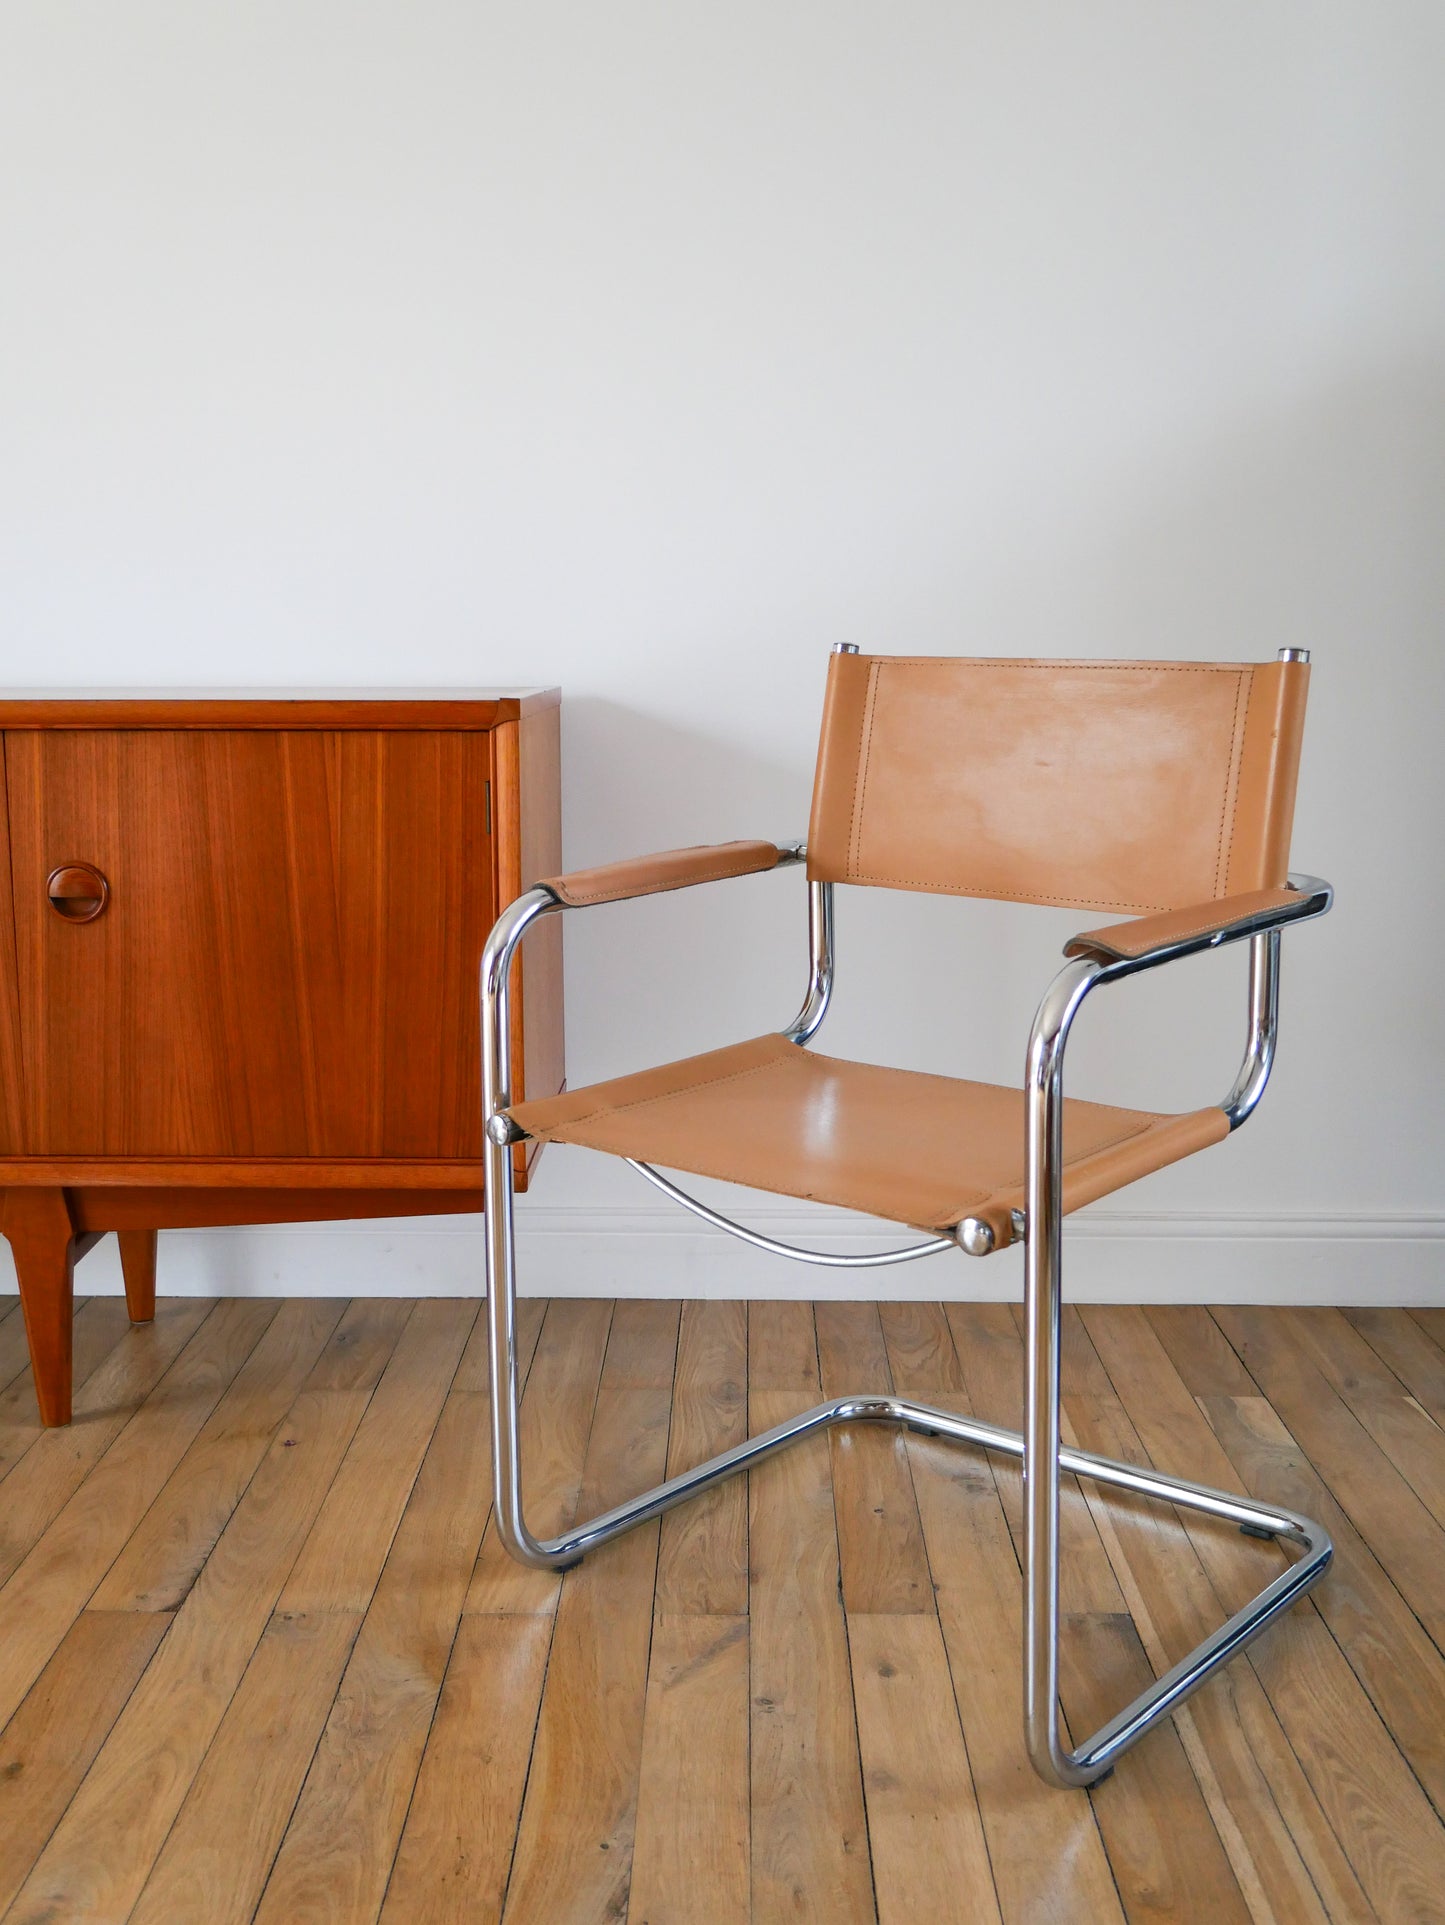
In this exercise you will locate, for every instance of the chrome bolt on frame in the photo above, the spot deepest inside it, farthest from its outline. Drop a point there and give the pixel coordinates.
(1039, 1446)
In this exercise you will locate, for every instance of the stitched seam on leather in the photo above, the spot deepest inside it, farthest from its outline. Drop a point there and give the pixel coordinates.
(860, 769)
(1015, 1188)
(1230, 811)
(856, 874)
(1004, 1191)
(1154, 1124)
(976, 1199)
(970, 1198)
(1005, 1186)
(1063, 661)
(991, 894)
(963, 1203)
(1113, 1142)
(680, 1089)
(1064, 901)
(713, 875)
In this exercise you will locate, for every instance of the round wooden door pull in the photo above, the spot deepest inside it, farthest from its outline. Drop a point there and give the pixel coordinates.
(77, 891)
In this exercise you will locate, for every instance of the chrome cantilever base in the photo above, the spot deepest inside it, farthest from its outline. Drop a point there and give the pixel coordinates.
(1040, 1447)
(1093, 1759)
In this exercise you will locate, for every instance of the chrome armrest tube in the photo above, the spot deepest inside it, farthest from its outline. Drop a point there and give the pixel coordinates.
(1248, 1085)
(809, 1019)
(497, 953)
(1315, 899)
(1263, 932)
(514, 922)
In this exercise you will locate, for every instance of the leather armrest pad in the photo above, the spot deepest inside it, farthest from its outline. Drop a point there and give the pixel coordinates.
(673, 869)
(1126, 941)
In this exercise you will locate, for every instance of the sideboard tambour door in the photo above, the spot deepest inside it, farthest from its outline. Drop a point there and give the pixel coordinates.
(286, 961)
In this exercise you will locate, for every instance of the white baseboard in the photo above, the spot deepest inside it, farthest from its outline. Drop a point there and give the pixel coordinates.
(1110, 1257)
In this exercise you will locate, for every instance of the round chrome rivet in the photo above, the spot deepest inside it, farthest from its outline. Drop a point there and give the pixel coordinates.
(975, 1237)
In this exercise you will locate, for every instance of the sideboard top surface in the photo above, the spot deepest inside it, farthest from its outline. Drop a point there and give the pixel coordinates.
(273, 708)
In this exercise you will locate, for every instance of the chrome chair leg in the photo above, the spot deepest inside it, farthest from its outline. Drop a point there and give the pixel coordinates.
(1039, 1447)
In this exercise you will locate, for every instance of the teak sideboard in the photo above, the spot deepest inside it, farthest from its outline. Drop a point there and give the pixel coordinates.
(239, 943)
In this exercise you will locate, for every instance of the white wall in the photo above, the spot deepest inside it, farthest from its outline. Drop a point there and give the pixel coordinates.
(651, 349)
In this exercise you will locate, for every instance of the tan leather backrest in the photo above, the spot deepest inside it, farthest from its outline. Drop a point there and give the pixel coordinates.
(1134, 786)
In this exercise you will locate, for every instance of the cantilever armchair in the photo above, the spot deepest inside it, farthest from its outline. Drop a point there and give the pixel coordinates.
(1159, 791)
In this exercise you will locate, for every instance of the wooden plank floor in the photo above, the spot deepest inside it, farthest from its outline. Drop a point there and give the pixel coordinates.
(261, 1656)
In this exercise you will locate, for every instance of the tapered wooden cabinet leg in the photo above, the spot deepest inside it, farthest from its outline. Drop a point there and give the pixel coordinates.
(138, 1266)
(38, 1227)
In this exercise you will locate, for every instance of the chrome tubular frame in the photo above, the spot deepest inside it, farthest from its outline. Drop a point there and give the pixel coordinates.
(872, 1261)
(809, 1019)
(1248, 1086)
(1040, 1445)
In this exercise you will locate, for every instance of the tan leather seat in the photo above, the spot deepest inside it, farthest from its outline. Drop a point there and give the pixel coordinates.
(918, 1149)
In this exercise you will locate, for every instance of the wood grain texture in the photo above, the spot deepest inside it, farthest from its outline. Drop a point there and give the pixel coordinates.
(120, 1205)
(147, 1764)
(537, 838)
(53, 1469)
(1279, 1837)
(1391, 1519)
(14, 1354)
(691, 1856)
(594, 1755)
(1200, 1352)
(100, 1322)
(527, 805)
(348, 1543)
(220, 1851)
(12, 1056)
(1167, 1867)
(196, 710)
(783, 1349)
(337, 1853)
(58, 1576)
(138, 1268)
(456, 1851)
(1399, 1666)
(1404, 1430)
(1417, 1363)
(1432, 1322)
(1211, 1845)
(1048, 1859)
(880, 1541)
(557, 1408)
(256, 985)
(574, 1843)
(809, 1833)
(278, 988)
(991, 1355)
(248, 1786)
(1384, 1822)
(920, 1348)
(46, 1748)
(317, 1176)
(166, 1549)
(702, 1563)
(41, 1233)
(929, 1855)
